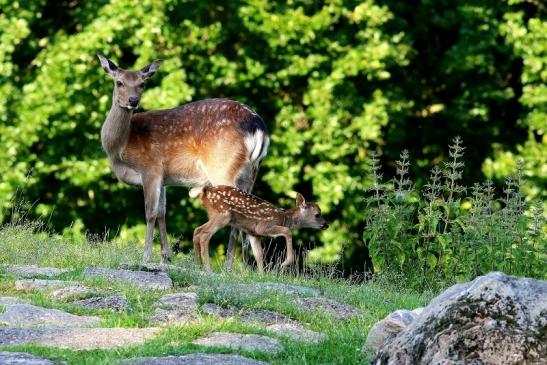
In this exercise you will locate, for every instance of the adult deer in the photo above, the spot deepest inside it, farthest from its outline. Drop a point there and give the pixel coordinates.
(208, 142)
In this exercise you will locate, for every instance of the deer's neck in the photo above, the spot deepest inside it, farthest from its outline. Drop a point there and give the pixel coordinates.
(291, 219)
(115, 131)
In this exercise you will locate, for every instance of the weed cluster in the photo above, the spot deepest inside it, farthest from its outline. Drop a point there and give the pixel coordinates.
(447, 232)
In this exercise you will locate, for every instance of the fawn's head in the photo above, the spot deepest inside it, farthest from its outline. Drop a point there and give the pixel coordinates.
(309, 214)
(128, 85)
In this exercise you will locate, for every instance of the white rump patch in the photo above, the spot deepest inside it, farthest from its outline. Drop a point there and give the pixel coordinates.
(257, 145)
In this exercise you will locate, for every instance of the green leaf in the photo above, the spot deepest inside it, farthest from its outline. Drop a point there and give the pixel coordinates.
(431, 261)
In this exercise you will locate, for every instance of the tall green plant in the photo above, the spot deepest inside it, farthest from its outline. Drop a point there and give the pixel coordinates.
(452, 233)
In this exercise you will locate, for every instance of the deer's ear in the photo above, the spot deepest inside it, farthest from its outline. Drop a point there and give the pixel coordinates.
(109, 67)
(300, 201)
(149, 70)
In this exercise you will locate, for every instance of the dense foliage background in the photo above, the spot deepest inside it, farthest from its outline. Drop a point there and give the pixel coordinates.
(334, 80)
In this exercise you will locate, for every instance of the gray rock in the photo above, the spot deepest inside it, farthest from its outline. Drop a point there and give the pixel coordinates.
(22, 358)
(29, 271)
(262, 316)
(44, 285)
(176, 308)
(191, 272)
(389, 326)
(141, 279)
(194, 359)
(276, 322)
(27, 315)
(257, 289)
(77, 338)
(239, 341)
(148, 266)
(168, 317)
(11, 300)
(324, 305)
(216, 310)
(296, 332)
(117, 303)
(72, 292)
(494, 319)
(178, 301)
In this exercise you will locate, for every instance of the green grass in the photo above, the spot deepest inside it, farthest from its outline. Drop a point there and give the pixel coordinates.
(21, 245)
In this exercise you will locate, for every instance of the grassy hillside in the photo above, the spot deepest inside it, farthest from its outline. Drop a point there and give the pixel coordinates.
(343, 344)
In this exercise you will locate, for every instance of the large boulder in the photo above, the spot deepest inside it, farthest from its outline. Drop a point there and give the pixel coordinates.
(494, 319)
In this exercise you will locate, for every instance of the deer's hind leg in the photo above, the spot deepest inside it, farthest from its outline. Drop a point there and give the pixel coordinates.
(256, 246)
(204, 234)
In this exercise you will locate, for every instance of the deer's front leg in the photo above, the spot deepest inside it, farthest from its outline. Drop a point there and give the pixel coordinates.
(290, 256)
(152, 189)
(277, 231)
(207, 231)
(165, 249)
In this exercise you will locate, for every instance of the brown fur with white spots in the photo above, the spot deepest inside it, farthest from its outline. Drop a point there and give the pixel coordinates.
(209, 142)
(227, 205)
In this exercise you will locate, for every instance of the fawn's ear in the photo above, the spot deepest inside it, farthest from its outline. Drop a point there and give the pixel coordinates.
(109, 67)
(300, 201)
(149, 70)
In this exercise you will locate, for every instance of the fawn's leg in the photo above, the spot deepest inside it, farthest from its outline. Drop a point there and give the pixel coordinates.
(277, 231)
(256, 246)
(165, 250)
(219, 172)
(152, 188)
(215, 223)
(197, 247)
(244, 182)
(230, 252)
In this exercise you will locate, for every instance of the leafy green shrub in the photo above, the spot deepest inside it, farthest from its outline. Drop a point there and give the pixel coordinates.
(449, 232)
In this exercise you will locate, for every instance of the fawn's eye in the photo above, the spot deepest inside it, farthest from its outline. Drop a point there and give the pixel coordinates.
(119, 83)
(317, 215)
(141, 85)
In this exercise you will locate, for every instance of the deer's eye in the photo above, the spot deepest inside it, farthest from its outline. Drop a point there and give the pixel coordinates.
(317, 215)
(141, 85)
(119, 83)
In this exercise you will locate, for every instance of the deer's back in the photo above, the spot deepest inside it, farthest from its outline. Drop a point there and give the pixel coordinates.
(197, 119)
(206, 131)
(245, 210)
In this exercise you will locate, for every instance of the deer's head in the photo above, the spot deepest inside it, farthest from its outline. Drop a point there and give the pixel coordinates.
(128, 85)
(309, 214)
